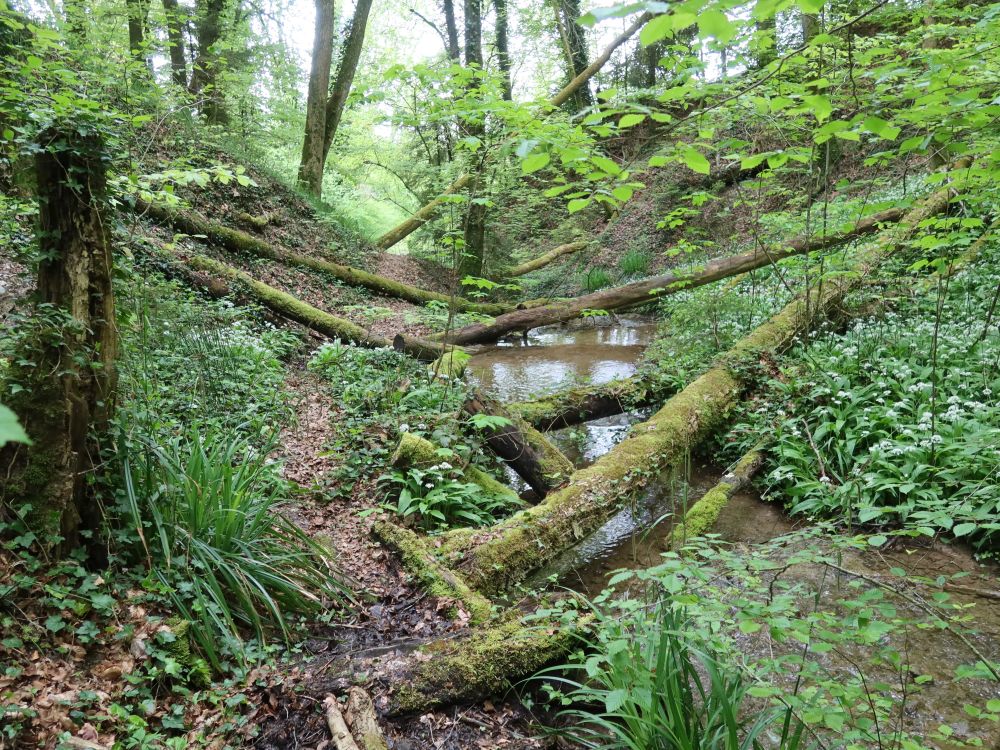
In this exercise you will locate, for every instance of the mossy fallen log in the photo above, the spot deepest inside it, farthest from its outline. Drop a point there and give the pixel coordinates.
(451, 365)
(488, 662)
(543, 260)
(701, 516)
(216, 277)
(583, 403)
(413, 450)
(536, 460)
(239, 241)
(658, 286)
(435, 578)
(496, 558)
(408, 226)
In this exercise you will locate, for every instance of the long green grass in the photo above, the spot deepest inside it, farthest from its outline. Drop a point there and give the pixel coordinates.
(652, 682)
(208, 514)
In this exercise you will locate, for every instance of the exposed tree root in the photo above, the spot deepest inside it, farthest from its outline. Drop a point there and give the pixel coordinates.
(527, 451)
(238, 241)
(543, 260)
(342, 739)
(496, 558)
(658, 286)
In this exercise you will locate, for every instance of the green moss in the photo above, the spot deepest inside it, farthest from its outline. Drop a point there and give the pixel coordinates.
(413, 450)
(435, 578)
(198, 672)
(488, 662)
(450, 365)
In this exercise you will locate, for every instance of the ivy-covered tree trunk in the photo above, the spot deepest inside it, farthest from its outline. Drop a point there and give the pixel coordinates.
(474, 234)
(69, 379)
(577, 57)
(311, 165)
(503, 46)
(138, 13)
(206, 68)
(345, 74)
(175, 40)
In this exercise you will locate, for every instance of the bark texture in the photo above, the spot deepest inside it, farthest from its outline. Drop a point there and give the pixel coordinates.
(337, 102)
(522, 447)
(313, 152)
(503, 46)
(69, 390)
(497, 558)
(360, 716)
(657, 286)
(237, 241)
(543, 260)
(209, 63)
(138, 13)
(575, 42)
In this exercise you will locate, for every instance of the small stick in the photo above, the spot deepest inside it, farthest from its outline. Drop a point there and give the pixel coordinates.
(342, 738)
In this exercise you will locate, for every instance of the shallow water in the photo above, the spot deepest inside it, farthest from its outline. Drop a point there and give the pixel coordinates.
(556, 357)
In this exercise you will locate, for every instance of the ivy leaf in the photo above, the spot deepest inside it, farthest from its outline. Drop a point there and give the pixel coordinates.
(10, 429)
(695, 160)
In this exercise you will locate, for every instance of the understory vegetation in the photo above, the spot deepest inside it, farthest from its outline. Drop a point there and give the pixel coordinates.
(272, 275)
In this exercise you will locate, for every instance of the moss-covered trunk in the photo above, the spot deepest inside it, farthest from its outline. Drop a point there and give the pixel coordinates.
(499, 557)
(67, 370)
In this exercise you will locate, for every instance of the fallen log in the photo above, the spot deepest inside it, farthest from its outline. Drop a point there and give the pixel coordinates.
(494, 559)
(238, 241)
(657, 286)
(489, 662)
(342, 739)
(424, 214)
(216, 277)
(434, 578)
(522, 447)
(701, 516)
(584, 403)
(543, 260)
(360, 716)
(413, 450)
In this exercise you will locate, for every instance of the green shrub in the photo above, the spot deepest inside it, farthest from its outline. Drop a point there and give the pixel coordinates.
(206, 512)
(438, 498)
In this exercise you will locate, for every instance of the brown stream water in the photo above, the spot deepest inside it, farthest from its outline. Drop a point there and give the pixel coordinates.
(635, 537)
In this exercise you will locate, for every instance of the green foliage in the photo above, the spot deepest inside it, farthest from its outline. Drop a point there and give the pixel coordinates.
(207, 510)
(659, 685)
(596, 279)
(11, 430)
(896, 421)
(439, 497)
(634, 264)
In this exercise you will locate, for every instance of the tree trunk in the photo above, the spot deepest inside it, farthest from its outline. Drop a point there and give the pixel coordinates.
(424, 214)
(767, 41)
(650, 289)
(470, 262)
(138, 14)
(809, 23)
(543, 260)
(451, 25)
(238, 241)
(522, 447)
(576, 43)
(175, 40)
(414, 450)
(506, 553)
(583, 403)
(311, 165)
(345, 74)
(503, 46)
(208, 63)
(69, 390)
